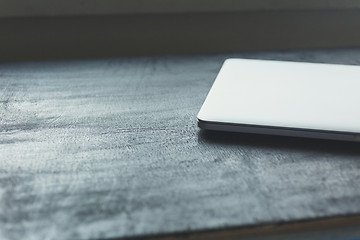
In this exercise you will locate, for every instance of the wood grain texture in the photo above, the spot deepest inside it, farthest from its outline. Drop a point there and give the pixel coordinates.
(110, 148)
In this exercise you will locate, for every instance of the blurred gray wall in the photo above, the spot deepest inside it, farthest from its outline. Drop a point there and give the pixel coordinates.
(39, 34)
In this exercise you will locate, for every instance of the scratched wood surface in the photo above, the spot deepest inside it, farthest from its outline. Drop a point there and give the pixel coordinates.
(110, 148)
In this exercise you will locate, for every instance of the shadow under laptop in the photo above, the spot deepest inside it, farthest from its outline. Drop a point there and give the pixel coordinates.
(279, 142)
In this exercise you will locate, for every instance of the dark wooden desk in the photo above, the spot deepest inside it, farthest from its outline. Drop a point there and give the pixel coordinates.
(110, 149)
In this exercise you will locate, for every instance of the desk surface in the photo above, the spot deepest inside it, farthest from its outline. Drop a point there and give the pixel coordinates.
(110, 149)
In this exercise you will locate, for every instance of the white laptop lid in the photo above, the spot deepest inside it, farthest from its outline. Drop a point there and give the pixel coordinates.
(285, 94)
